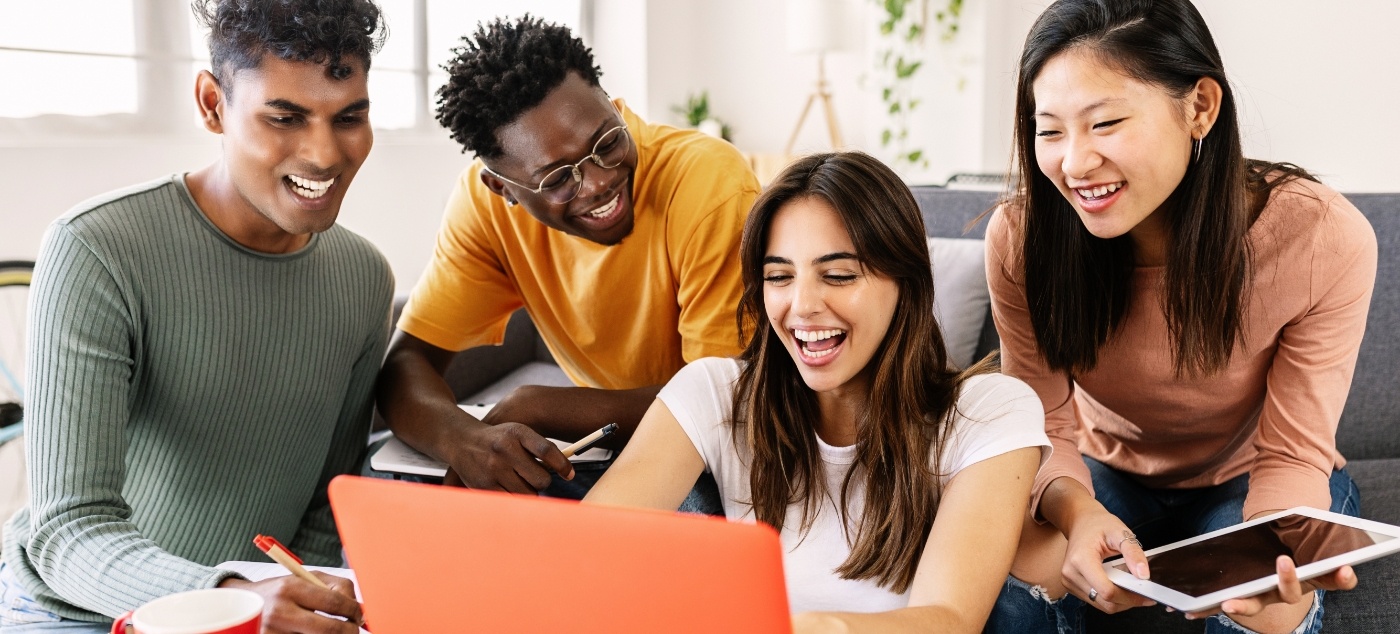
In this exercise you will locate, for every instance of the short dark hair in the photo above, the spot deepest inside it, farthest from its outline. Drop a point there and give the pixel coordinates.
(501, 71)
(320, 31)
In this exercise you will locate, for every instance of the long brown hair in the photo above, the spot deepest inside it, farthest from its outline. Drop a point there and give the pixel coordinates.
(912, 394)
(1077, 285)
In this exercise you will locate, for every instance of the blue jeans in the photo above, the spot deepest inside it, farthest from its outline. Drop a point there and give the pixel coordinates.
(20, 614)
(1157, 517)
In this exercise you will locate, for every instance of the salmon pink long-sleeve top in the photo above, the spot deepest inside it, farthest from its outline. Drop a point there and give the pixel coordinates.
(1271, 413)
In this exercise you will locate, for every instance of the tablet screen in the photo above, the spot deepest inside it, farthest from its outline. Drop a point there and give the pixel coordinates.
(1247, 554)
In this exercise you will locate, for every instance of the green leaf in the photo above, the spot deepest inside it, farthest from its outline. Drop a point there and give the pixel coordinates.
(886, 28)
(885, 94)
(915, 156)
(904, 69)
(885, 137)
(915, 30)
(894, 107)
(914, 103)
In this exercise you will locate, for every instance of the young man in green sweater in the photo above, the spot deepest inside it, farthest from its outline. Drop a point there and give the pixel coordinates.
(203, 346)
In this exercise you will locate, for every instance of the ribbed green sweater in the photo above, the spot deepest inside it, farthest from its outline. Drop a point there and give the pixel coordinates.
(185, 394)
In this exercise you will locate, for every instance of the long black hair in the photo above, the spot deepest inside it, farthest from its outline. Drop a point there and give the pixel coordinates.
(1078, 285)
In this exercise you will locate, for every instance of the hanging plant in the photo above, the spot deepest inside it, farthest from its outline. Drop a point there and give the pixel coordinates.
(903, 24)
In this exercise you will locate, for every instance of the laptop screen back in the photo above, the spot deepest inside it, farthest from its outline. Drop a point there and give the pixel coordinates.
(436, 559)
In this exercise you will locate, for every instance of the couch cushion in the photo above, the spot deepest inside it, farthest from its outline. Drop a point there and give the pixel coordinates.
(960, 297)
(1370, 426)
(532, 373)
(947, 212)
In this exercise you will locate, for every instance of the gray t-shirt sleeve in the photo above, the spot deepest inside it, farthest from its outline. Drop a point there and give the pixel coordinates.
(83, 544)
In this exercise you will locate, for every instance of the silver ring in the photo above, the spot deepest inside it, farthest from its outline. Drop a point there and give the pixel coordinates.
(1093, 595)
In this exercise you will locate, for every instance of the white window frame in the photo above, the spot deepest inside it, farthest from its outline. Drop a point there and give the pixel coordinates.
(162, 51)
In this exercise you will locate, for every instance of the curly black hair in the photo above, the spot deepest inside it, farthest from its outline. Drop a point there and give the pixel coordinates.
(319, 31)
(501, 71)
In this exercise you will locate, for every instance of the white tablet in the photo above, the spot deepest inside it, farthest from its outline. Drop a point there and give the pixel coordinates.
(1202, 572)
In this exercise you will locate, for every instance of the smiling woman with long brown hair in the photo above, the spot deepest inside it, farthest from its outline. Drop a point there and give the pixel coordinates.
(897, 484)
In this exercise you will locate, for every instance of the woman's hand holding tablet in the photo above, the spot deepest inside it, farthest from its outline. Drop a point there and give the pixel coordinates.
(1094, 536)
(1247, 567)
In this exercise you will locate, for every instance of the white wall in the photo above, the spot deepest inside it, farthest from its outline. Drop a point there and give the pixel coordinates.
(1318, 86)
(1317, 82)
(396, 199)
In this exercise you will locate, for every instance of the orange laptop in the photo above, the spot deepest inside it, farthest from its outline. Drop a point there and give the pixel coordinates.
(435, 559)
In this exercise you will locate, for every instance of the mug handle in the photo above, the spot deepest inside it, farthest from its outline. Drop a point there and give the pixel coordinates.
(120, 626)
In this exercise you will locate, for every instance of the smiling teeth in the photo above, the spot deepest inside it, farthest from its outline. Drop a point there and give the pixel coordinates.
(816, 335)
(1100, 191)
(309, 188)
(605, 209)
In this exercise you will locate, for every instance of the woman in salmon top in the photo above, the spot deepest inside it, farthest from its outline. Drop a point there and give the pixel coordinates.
(1190, 319)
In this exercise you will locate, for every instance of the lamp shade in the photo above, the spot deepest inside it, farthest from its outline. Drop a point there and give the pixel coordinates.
(814, 26)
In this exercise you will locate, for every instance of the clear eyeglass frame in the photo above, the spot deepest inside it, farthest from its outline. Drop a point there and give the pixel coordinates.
(562, 184)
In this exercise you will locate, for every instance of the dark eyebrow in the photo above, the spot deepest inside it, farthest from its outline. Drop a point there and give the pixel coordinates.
(593, 140)
(359, 106)
(1097, 104)
(830, 257)
(283, 104)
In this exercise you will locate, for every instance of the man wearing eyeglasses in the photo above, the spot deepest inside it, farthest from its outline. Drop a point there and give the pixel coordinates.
(618, 236)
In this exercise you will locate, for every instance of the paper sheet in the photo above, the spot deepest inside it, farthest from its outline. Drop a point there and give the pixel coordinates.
(397, 457)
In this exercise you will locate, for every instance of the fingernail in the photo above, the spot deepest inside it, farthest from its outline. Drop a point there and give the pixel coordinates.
(1142, 571)
(1190, 617)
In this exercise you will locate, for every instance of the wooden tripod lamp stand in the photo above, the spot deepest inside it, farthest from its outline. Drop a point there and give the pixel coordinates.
(821, 93)
(814, 26)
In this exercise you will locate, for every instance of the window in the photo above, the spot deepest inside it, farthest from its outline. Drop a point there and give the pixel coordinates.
(128, 64)
(38, 42)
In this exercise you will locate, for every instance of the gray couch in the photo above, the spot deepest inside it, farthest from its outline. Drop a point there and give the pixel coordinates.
(1369, 435)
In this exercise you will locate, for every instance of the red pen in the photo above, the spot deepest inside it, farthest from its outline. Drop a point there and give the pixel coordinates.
(291, 562)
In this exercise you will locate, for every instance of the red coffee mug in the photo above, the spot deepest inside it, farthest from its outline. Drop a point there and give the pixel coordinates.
(212, 611)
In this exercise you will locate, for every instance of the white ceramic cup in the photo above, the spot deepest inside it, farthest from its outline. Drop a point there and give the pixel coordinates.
(212, 611)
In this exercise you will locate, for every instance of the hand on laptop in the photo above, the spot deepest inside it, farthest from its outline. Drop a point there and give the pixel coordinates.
(507, 457)
(290, 604)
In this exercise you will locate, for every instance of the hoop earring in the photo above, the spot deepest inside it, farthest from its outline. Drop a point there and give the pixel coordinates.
(1196, 149)
(511, 202)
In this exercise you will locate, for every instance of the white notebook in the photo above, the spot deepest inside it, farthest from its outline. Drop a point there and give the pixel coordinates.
(397, 457)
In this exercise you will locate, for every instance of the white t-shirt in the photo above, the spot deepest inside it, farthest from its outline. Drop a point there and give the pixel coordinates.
(998, 414)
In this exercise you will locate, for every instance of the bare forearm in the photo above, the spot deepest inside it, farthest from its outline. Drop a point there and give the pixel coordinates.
(1064, 500)
(569, 413)
(924, 618)
(419, 405)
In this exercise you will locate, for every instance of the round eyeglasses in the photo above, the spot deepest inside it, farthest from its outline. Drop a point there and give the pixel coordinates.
(562, 184)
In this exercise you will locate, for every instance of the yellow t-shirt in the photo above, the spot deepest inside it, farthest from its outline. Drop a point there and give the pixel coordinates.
(614, 317)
